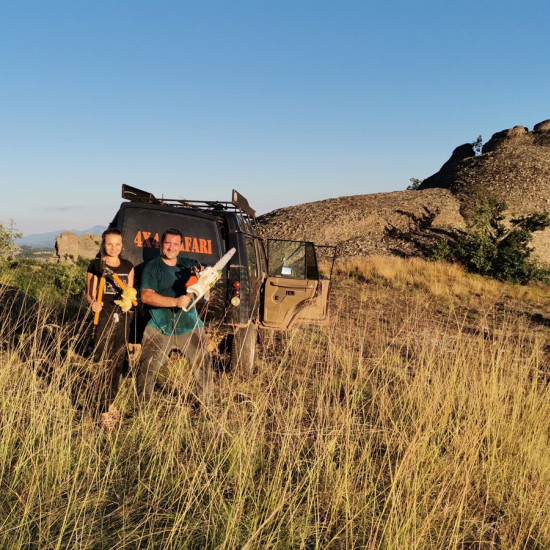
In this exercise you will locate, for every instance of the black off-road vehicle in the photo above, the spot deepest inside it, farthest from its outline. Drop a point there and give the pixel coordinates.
(266, 284)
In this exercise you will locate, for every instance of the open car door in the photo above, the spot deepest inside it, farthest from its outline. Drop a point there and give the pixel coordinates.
(295, 290)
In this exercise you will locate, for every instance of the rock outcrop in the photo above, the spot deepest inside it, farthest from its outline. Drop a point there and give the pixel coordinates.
(69, 247)
(514, 167)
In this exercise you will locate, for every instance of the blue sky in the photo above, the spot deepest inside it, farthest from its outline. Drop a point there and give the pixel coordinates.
(286, 101)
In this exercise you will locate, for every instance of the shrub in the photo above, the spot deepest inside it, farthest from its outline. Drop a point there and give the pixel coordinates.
(51, 282)
(415, 184)
(494, 248)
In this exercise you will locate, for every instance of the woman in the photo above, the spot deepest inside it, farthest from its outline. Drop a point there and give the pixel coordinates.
(111, 331)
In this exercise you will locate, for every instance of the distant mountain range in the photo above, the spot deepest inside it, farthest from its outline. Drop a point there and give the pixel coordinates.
(47, 240)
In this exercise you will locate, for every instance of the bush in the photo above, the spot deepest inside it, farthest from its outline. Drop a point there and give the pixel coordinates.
(415, 184)
(494, 249)
(51, 282)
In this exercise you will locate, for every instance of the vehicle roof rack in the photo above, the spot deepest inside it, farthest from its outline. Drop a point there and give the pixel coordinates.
(238, 202)
(137, 195)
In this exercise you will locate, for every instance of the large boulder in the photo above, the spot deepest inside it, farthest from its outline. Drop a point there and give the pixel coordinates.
(69, 247)
(544, 125)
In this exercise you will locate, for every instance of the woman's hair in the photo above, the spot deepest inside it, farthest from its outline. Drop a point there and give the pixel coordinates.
(105, 234)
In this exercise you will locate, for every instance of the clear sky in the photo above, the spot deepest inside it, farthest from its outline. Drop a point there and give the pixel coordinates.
(288, 101)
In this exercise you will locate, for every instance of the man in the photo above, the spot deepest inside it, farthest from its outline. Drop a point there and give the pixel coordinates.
(163, 289)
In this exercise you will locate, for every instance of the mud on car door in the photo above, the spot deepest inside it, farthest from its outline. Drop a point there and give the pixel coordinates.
(295, 290)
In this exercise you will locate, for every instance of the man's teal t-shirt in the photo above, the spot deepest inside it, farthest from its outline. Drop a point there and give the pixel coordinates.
(170, 281)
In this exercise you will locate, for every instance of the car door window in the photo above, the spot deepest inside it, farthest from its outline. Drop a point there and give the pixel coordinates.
(251, 259)
(293, 259)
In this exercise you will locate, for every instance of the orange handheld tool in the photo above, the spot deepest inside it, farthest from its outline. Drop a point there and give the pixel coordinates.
(121, 285)
(99, 298)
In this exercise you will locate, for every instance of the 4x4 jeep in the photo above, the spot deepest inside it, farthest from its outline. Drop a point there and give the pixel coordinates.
(266, 284)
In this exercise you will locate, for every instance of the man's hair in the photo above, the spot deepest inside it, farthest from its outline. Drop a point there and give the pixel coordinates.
(171, 231)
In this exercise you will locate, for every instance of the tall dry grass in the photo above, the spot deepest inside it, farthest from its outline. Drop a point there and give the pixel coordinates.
(418, 418)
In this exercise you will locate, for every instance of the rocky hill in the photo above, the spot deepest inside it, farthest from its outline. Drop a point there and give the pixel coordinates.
(403, 222)
(514, 166)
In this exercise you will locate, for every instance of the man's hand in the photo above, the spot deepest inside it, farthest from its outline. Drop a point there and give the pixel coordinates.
(183, 300)
(197, 268)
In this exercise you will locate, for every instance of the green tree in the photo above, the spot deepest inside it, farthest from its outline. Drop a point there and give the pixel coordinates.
(415, 184)
(8, 234)
(495, 248)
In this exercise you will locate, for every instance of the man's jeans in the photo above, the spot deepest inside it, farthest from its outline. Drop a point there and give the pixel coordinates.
(155, 348)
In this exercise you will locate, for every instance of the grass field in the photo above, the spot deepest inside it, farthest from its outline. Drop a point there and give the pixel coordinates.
(419, 417)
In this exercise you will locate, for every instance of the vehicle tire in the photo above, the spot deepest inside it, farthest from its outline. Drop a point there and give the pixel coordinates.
(243, 349)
